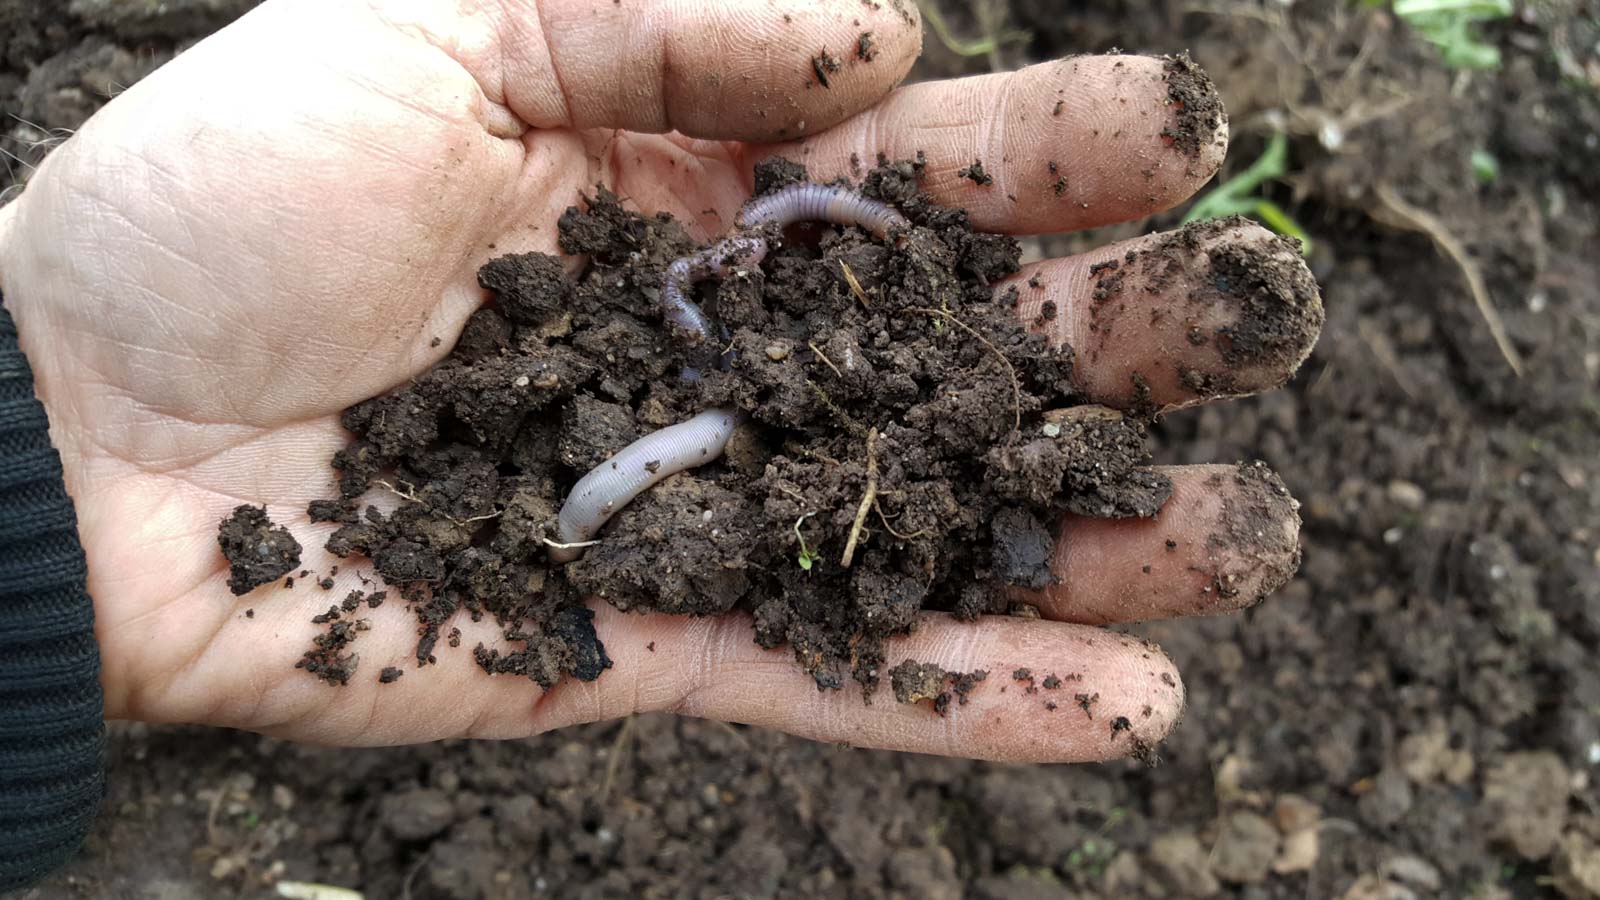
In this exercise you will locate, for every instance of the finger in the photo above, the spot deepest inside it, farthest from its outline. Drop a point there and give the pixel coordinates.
(1226, 539)
(1216, 309)
(712, 668)
(707, 667)
(725, 69)
(1070, 144)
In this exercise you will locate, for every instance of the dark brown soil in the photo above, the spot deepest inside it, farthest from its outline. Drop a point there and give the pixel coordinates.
(923, 388)
(257, 550)
(1414, 714)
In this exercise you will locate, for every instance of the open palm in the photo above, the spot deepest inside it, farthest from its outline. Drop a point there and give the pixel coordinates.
(288, 219)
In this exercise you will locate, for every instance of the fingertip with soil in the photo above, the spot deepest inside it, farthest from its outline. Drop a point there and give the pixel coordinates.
(1216, 309)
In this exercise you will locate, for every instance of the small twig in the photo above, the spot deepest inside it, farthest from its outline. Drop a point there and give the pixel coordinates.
(878, 507)
(866, 499)
(855, 286)
(1016, 384)
(1401, 214)
(824, 357)
(573, 546)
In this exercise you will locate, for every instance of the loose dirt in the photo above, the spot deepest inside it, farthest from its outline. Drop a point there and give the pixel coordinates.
(909, 444)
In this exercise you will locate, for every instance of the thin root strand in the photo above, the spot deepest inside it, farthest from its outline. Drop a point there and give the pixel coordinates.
(867, 499)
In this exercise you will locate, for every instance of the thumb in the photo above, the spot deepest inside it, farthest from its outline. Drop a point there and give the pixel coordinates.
(726, 69)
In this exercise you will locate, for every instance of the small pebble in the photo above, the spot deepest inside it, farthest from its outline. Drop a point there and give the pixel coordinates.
(777, 352)
(1406, 495)
(1051, 430)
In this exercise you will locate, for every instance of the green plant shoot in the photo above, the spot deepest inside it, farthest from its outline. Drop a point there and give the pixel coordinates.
(1235, 197)
(1452, 27)
(962, 47)
(808, 555)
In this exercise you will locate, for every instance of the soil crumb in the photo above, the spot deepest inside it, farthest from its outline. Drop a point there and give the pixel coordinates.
(914, 682)
(855, 362)
(257, 550)
(976, 174)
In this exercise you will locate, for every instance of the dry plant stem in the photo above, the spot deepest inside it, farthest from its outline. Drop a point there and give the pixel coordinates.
(1016, 385)
(855, 286)
(824, 357)
(866, 499)
(844, 418)
(1395, 211)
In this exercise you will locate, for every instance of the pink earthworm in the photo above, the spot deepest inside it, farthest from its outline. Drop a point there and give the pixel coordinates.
(644, 463)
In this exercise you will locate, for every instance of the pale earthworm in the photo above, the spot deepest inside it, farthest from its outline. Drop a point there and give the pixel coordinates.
(635, 469)
(644, 463)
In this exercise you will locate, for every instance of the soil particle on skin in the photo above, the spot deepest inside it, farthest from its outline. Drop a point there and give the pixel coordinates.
(823, 65)
(1197, 105)
(908, 374)
(976, 174)
(330, 658)
(390, 675)
(866, 49)
(257, 550)
(914, 682)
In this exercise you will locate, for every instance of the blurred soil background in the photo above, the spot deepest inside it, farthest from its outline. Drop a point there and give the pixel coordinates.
(1416, 715)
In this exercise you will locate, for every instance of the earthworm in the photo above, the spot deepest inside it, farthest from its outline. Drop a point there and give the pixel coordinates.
(635, 469)
(642, 464)
(795, 203)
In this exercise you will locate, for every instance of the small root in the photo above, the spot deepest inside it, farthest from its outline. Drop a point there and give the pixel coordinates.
(1394, 211)
(1016, 383)
(878, 508)
(619, 748)
(573, 546)
(867, 499)
(413, 498)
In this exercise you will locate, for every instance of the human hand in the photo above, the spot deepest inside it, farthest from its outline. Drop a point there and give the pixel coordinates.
(281, 221)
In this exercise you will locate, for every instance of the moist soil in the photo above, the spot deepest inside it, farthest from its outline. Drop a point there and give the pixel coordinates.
(1414, 714)
(908, 444)
(257, 551)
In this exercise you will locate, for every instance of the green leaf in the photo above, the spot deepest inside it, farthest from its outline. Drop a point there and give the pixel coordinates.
(1273, 216)
(1485, 167)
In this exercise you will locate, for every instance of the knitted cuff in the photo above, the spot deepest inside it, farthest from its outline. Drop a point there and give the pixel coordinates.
(52, 730)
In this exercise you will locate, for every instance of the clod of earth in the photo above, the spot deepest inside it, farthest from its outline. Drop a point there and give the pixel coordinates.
(257, 550)
(859, 375)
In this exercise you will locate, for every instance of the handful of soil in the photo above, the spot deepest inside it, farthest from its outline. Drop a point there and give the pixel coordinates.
(909, 444)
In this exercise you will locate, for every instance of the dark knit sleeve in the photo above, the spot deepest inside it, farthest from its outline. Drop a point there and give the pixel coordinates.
(52, 729)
